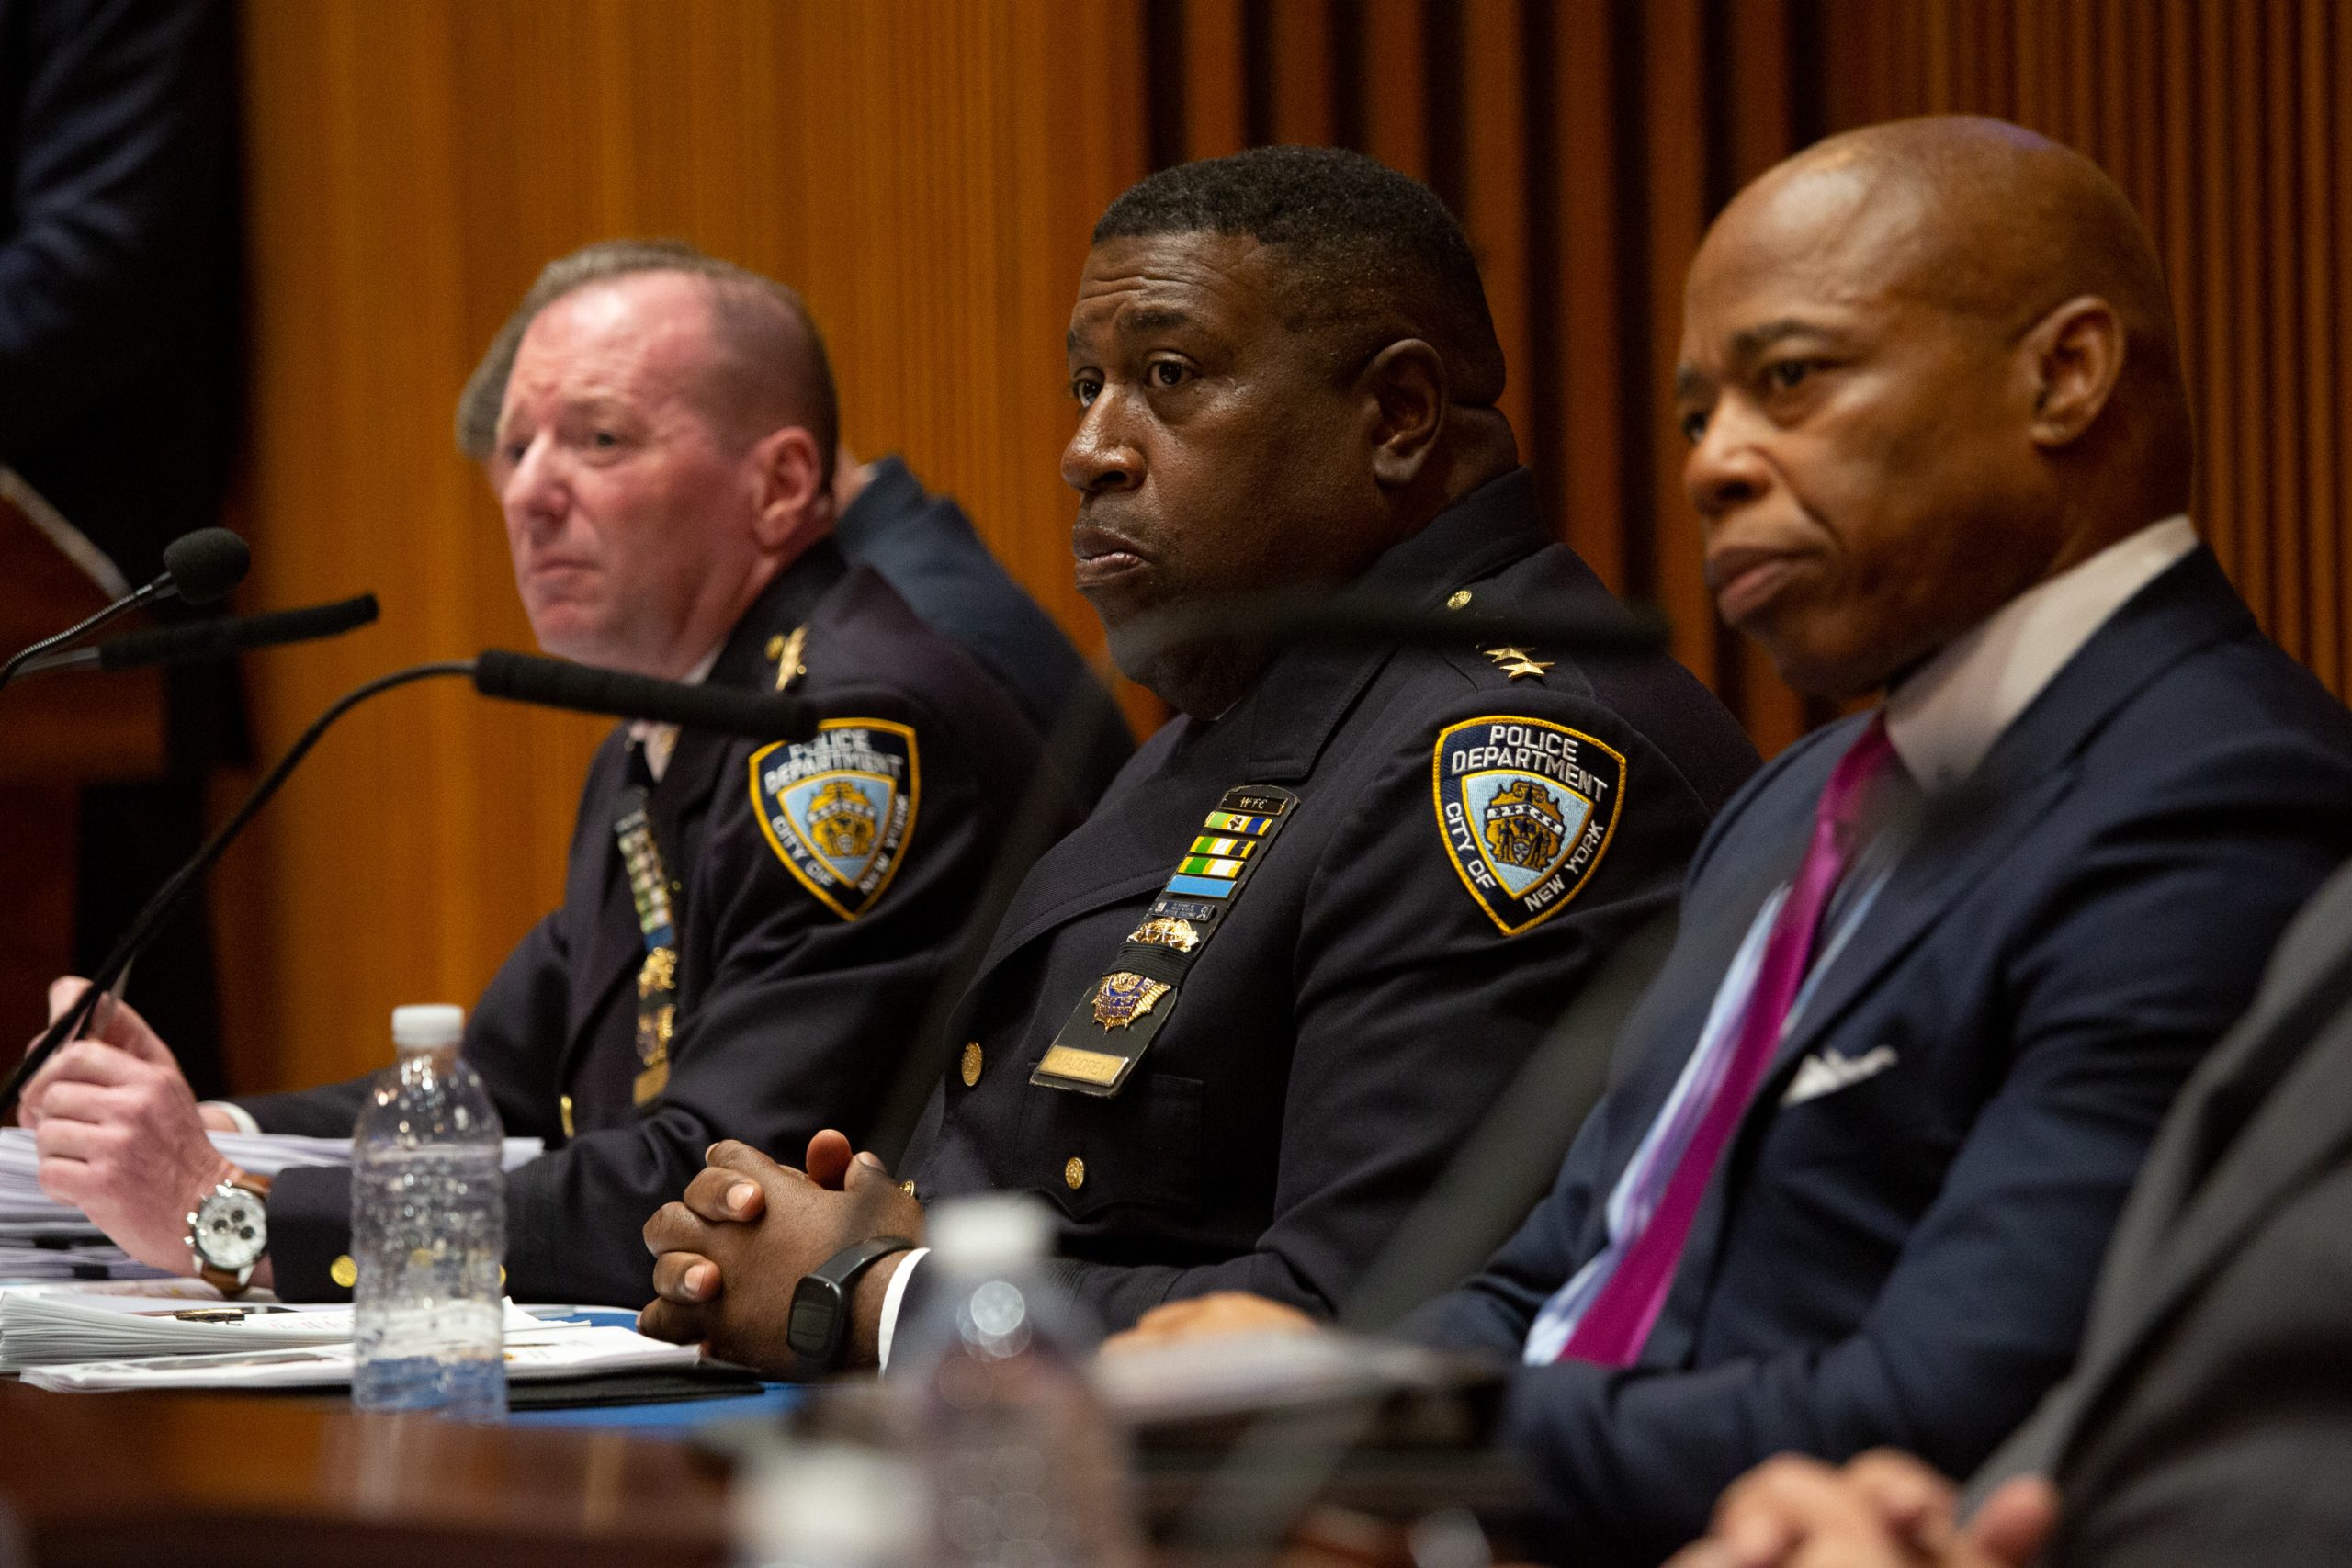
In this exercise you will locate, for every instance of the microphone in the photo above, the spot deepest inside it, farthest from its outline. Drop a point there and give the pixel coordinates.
(202, 568)
(174, 892)
(518, 677)
(198, 569)
(212, 640)
(586, 688)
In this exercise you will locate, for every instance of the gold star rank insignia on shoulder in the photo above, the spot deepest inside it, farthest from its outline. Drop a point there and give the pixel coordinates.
(787, 652)
(1526, 808)
(1519, 663)
(837, 808)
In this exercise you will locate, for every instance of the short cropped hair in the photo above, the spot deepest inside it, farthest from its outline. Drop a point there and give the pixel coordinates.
(774, 355)
(1373, 255)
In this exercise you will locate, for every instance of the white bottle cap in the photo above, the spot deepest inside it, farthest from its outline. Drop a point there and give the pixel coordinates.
(428, 1025)
(988, 1232)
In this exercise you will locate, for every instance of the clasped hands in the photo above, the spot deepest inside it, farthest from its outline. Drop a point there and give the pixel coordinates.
(728, 1255)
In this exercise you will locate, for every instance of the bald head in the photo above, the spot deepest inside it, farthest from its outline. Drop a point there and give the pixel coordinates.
(1994, 224)
(761, 366)
(1924, 365)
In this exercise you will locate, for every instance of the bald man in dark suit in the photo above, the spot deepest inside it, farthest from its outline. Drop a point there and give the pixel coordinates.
(2209, 1418)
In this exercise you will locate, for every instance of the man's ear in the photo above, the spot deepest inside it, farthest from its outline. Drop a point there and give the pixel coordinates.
(2074, 355)
(789, 493)
(1407, 384)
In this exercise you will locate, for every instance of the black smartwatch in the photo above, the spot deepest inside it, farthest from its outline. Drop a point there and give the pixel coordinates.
(817, 1326)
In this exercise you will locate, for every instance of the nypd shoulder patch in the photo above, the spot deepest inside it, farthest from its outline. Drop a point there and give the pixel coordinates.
(837, 808)
(1526, 808)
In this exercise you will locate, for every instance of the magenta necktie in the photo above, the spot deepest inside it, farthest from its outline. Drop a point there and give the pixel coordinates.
(1615, 1326)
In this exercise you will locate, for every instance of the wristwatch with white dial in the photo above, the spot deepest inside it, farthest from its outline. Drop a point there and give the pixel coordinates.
(228, 1231)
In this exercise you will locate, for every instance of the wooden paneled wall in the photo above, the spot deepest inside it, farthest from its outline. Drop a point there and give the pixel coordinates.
(1586, 144)
(2229, 122)
(926, 170)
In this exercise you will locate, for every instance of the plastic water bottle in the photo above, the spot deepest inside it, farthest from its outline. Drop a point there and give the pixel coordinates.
(1023, 1469)
(428, 1230)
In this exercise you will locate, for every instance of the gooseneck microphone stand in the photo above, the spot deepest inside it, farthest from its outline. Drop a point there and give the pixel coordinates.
(514, 677)
(173, 893)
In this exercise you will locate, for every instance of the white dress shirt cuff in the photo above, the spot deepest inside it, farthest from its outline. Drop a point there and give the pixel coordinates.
(894, 1297)
(237, 1113)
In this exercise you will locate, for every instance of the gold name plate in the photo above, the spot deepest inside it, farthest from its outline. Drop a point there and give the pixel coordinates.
(1086, 1066)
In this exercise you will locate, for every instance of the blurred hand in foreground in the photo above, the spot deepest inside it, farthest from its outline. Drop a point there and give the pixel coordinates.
(1883, 1510)
(1211, 1317)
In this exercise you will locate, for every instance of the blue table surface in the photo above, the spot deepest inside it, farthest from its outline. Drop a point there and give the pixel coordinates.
(676, 1418)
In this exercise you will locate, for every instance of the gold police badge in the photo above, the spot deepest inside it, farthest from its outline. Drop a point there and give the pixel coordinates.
(1526, 808)
(1123, 998)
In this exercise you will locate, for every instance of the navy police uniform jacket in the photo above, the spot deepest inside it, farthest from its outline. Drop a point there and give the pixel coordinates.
(798, 976)
(1900, 1244)
(1457, 848)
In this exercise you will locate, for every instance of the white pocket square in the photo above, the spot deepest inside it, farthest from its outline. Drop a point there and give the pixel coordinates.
(1830, 1071)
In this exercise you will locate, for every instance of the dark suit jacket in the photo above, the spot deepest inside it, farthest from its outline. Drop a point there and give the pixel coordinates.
(790, 1017)
(1907, 1260)
(119, 285)
(1358, 1010)
(924, 545)
(2209, 1420)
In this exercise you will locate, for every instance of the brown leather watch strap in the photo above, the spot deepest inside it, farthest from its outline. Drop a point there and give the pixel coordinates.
(220, 1279)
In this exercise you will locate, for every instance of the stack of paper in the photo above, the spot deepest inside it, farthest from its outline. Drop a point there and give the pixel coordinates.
(553, 1351)
(43, 1328)
(93, 1342)
(45, 1240)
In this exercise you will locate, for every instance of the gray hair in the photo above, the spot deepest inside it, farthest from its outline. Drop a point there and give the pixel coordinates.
(774, 361)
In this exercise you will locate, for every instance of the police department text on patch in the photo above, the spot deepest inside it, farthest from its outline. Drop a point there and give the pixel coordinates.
(837, 808)
(1526, 808)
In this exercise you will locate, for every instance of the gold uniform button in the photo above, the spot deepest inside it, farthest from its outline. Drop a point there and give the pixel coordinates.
(1074, 1173)
(564, 1105)
(343, 1271)
(1461, 597)
(971, 1062)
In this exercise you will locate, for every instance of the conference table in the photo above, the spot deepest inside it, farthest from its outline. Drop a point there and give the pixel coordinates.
(282, 1482)
(303, 1481)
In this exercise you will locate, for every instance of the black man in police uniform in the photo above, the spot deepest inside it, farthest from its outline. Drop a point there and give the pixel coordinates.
(1236, 1023)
